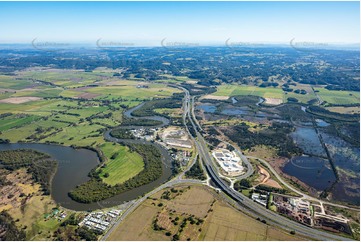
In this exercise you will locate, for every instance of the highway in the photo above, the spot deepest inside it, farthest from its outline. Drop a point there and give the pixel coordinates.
(175, 181)
(244, 203)
(235, 198)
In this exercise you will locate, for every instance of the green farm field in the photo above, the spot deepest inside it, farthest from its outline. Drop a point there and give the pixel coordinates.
(233, 90)
(48, 92)
(338, 97)
(10, 82)
(329, 96)
(41, 107)
(301, 98)
(15, 121)
(66, 78)
(122, 164)
(60, 117)
(131, 92)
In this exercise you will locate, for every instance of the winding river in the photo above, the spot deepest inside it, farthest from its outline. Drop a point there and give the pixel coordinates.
(74, 166)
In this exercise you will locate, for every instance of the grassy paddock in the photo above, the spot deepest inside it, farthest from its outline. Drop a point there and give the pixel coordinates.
(16, 121)
(233, 90)
(338, 97)
(132, 92)
(123, 166)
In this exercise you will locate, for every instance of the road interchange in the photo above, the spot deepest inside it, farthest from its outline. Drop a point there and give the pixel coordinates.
(236, 199)
(242, 202)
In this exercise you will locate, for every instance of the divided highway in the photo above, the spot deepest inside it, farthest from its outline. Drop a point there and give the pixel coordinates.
(242, 202)
(235, 198)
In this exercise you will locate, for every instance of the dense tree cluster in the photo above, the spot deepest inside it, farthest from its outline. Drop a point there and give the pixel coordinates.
(270, 189)
(228, 65)
(275, 135)
(242, 184)
(140, 122)
(196, 172)
(148, 108)
(291, 111)
(122, 133)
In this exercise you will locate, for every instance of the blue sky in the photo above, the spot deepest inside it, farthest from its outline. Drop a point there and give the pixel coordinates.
(147, 23)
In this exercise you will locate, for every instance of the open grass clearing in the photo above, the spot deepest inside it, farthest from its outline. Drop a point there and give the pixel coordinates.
(11, 82)
(233, 90)
(80, 135)
(34, 107)
(301, 98)
(133, 93)
(338, 97)
(32, 217)
(49, 92)
(16, 121)
(344, 110)
(123, 166)
(66, 78)
(227, 224)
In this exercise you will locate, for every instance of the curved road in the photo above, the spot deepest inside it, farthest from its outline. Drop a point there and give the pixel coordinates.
(247, 205)
(305, 196)
(237, 199)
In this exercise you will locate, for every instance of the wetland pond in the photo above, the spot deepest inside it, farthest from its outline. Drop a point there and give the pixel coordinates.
(307, 139)
(207, 108)
(313, 171)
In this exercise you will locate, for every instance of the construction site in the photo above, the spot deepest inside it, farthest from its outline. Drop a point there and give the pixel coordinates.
(176, 137)
(310, 214)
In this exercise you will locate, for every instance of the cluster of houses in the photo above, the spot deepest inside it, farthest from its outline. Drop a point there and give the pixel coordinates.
(100, 221)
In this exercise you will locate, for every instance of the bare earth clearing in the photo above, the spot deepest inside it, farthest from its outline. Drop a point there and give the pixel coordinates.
(266, 178)
(273, 101)
(215, 97)
(19, 100)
